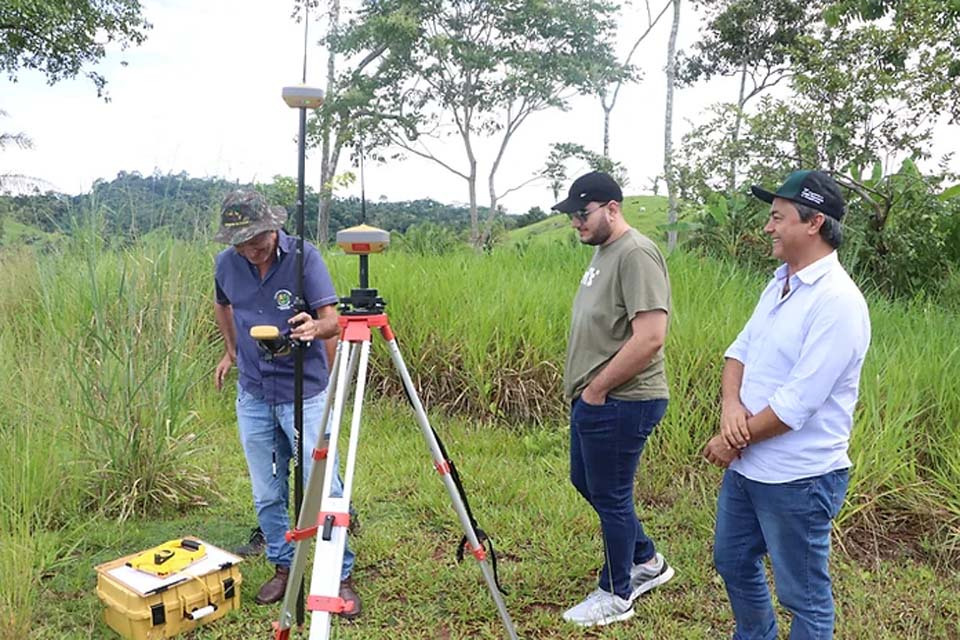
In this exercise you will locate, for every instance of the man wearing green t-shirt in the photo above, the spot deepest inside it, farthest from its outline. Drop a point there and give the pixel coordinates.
(615, 383)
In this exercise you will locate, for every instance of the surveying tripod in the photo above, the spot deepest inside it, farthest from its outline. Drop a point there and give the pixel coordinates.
(327, 517)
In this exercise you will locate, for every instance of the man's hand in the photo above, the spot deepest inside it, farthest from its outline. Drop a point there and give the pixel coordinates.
(719, 453)
(593, 397)
(308, 329)
(733, 424)
(305, 328)
(223, 368)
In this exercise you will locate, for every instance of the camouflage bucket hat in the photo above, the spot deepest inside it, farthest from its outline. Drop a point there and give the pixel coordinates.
(245, 214)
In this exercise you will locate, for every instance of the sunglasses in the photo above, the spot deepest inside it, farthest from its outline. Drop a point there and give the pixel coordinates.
(584, 213)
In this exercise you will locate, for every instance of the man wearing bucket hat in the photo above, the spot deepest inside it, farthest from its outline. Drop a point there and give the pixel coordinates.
(616, 387)
(256, 284)
(789, 389)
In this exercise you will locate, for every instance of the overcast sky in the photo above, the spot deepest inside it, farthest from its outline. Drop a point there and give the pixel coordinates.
(202, 95)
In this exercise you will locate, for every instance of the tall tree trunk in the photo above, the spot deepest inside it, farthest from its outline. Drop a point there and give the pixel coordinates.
(494, 198)
(608, 107)
(735, 138)
(668, 129)
(474, 214)
(606, 124)
(329, 154)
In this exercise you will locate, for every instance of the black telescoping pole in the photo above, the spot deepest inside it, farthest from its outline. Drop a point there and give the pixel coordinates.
(299, 352)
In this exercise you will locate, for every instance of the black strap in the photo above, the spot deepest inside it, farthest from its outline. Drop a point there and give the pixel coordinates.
(482, 536)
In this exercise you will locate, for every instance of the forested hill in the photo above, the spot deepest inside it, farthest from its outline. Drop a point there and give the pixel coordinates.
(132, 205)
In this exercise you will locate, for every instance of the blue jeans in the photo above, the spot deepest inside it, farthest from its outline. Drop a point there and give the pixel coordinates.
(605, 446)
(791, 522)
(267, 434)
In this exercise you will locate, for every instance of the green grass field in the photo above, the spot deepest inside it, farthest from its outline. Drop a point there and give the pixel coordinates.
(17, 234)
(112, 440)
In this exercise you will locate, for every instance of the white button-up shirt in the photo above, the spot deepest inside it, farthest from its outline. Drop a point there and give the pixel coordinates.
(802, 354)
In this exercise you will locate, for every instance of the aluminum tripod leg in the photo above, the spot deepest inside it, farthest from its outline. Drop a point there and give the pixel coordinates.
(333, 518)
(313, 495)
(475, 547)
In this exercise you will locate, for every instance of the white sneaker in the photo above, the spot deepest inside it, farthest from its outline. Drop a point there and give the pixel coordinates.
(599, 608)
(644, 578)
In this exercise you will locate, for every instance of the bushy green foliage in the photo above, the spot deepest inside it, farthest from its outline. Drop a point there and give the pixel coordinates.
(532, 216)
(730, 227)
(59, 39)
(898, 231)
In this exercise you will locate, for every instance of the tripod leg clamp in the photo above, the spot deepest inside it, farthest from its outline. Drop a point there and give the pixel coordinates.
(332, 605)
(329, 519)
(296, 535)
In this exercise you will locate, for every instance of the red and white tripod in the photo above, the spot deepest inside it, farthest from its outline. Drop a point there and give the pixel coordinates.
(326, 517)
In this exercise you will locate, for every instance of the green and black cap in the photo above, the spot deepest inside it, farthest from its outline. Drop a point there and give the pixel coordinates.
(815, 189)
(244, 214)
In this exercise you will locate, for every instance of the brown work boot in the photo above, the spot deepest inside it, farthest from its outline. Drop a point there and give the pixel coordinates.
(274, 588)
(254, 546)
(349, 595)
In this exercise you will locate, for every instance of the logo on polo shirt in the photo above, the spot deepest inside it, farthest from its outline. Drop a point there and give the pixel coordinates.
(284, 299)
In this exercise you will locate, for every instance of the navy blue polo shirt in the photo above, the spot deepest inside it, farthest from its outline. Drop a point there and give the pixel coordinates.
(270, 301)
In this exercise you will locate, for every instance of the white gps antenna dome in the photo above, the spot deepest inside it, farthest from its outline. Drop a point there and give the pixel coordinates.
(301, 96)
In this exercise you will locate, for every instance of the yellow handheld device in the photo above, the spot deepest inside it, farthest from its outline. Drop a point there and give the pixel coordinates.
(170, 557)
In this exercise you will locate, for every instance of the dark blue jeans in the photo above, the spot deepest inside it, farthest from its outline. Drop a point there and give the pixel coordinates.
(605, 446)
(791, 522)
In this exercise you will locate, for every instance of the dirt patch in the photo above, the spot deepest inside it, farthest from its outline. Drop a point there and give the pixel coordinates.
(879, 534)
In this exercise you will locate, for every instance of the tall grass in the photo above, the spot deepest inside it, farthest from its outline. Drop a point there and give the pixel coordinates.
(108, 351)
(486, 335)
(102, 351)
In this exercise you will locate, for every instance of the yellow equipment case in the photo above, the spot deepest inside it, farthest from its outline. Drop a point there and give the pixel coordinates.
(141, 606)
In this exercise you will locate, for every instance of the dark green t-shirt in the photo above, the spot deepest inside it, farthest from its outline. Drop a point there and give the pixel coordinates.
(624, 278)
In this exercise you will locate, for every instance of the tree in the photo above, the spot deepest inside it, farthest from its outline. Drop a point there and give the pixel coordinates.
(869, 79)
(753, 39)
(473, 68)
(329, 149)
(608, 96)
(555, 170)
(668, 170)
(533, 215)
(60, 38)
(920, 35)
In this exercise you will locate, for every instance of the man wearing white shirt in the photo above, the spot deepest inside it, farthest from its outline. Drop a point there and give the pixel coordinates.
(789, 389)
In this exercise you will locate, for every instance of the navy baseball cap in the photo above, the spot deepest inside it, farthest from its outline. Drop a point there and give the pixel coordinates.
(815, 189)
(595, 186)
